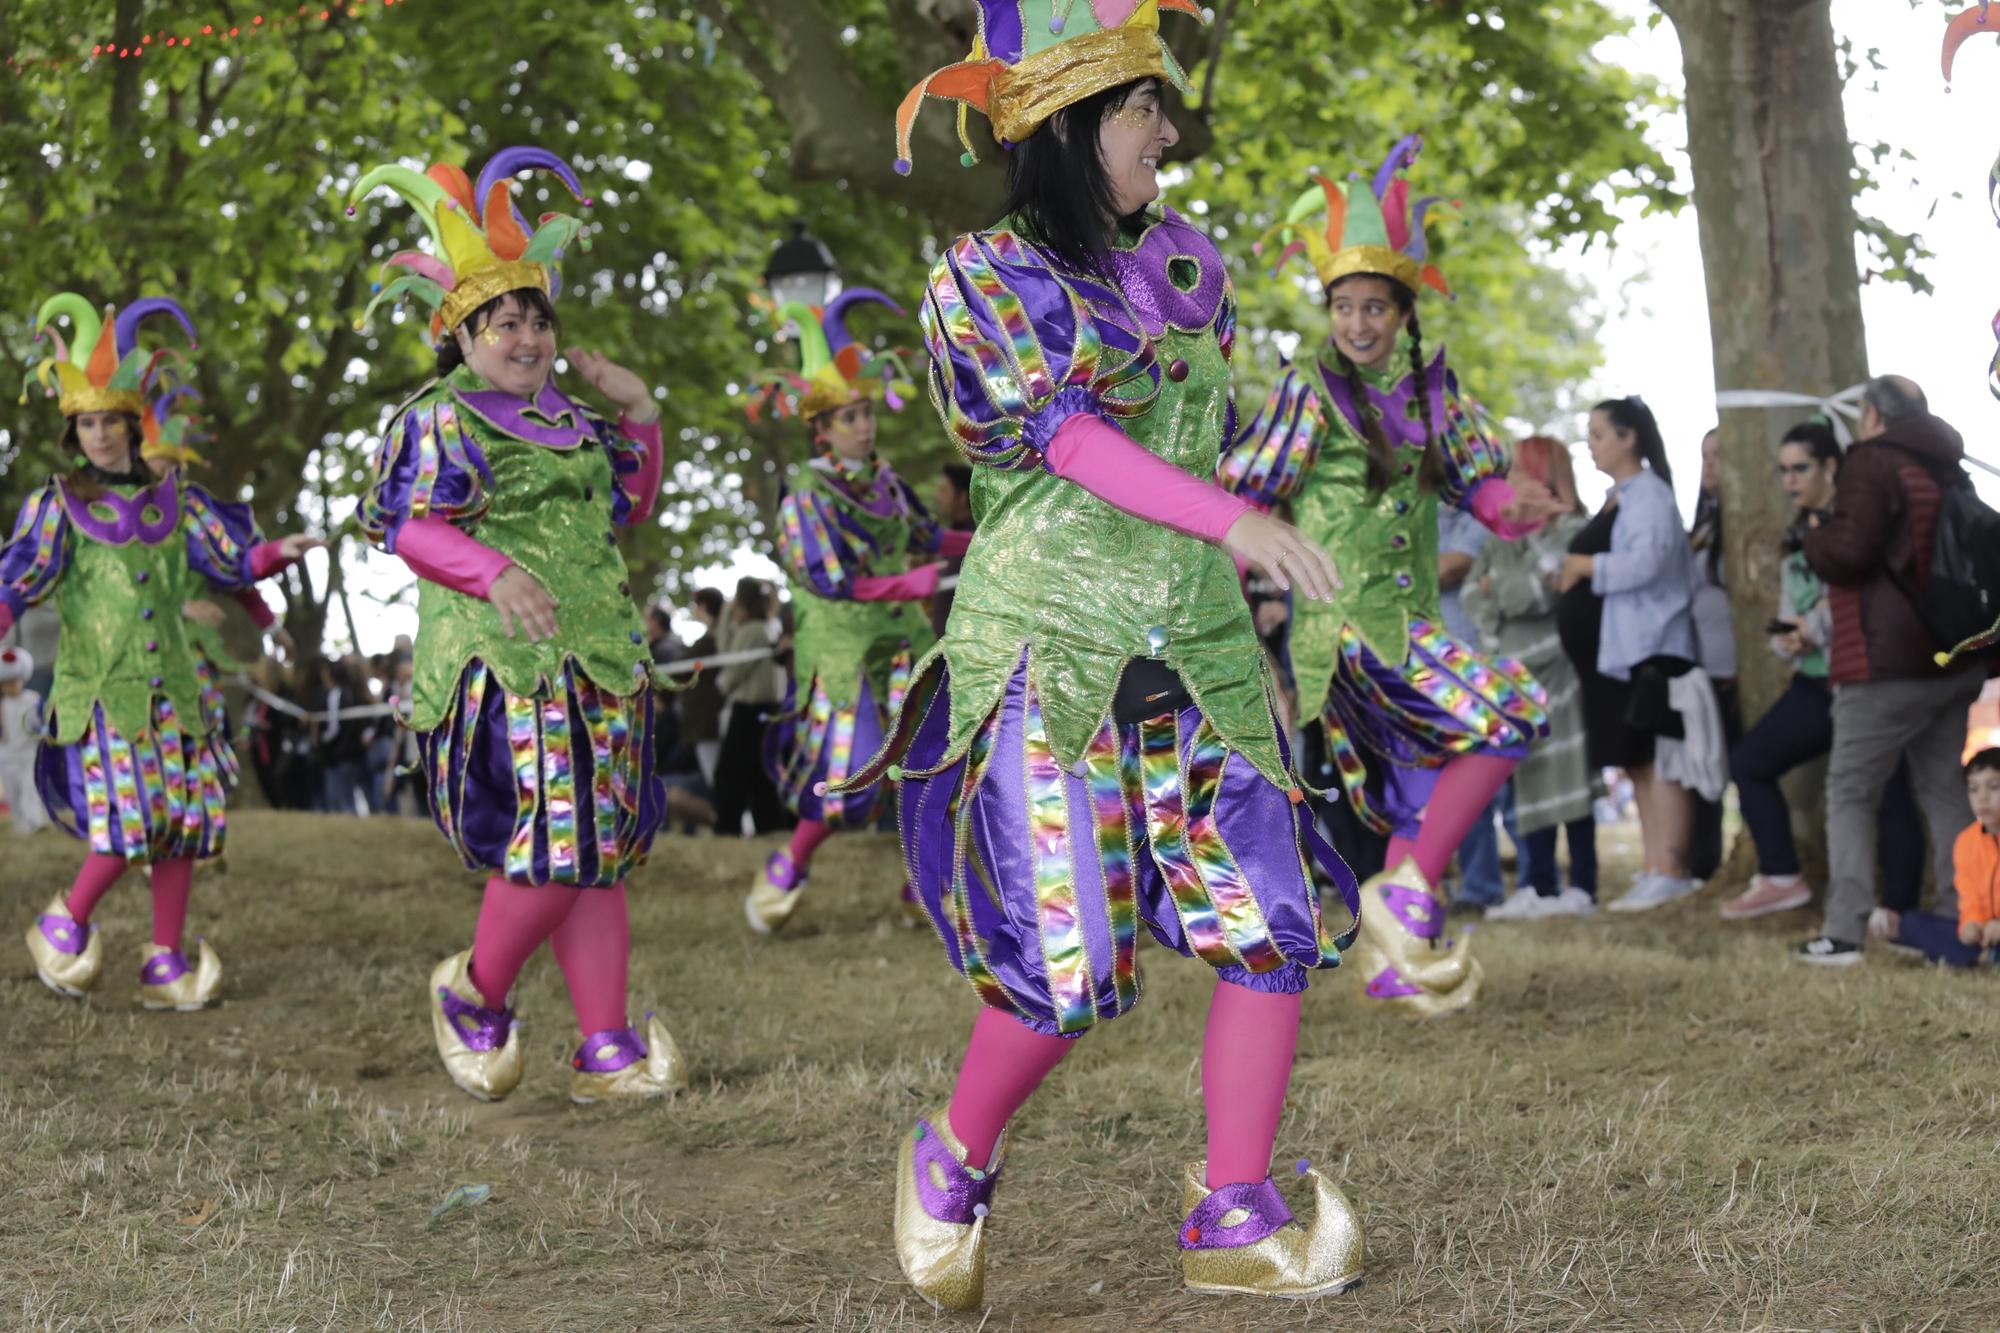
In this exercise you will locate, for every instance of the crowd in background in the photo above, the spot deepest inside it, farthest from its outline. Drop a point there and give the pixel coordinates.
(1623, 616)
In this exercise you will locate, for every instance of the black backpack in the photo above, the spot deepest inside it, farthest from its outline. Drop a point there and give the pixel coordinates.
(1961, 599)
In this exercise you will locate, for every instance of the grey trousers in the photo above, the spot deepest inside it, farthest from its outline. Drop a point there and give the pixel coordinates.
(1875, 722)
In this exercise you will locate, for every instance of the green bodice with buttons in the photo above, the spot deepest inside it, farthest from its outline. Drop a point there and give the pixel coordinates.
(841, 640)
(1086, 587)
(1384, 543)
(123, 639)
(549, 510)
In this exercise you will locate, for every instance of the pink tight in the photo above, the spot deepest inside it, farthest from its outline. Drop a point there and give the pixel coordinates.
(172, 882)
(1246, 1062)
(1464, 792)
(806, 839)
(587, 929)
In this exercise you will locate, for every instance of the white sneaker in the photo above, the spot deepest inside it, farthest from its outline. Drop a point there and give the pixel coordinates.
(1520, 905)
(1650, 891)
(1572, 901)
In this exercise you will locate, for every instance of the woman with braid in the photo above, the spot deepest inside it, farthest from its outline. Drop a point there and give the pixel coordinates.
(1365, 443)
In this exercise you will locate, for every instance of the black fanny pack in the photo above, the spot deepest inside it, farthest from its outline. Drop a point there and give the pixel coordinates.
(1148, 688)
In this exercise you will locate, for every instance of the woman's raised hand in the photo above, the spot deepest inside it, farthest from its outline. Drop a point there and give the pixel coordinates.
(627, 392)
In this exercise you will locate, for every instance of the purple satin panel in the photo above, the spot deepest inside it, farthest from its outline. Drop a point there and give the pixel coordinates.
(966, 1189)
(198, 830)
(239, 527)
(1421, 914)
(923, 813)
(1388, 984)
(480, 1028)
(1002, 29)
(549, 418)
(164, 968)
(1397, 423)
(801, 786)
(1204, 1230)
(1408, 759)
(127, 519)
(1257, 821)
(1147, 276)
(483, 797)
(63, 934)
(609, 1051)
(450, 492)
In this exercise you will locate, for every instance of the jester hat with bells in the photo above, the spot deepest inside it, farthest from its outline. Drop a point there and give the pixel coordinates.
(1349, 227)
(1032, 58)
(100, 368)
(834, 370)
(483, 246)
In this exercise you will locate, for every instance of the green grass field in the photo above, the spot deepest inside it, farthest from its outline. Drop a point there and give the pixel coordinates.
(1651, 1123)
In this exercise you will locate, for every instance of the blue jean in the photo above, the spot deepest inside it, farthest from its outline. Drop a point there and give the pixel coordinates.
(1479, 854)
(1798, 729)
(1538, 857)
(339, 784)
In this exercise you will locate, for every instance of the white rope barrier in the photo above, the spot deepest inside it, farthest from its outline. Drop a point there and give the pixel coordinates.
(1839, 409)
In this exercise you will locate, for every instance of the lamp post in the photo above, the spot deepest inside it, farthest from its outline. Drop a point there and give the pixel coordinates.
(801, 269)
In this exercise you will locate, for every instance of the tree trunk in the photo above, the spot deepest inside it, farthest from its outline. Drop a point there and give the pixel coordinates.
(1774, 199)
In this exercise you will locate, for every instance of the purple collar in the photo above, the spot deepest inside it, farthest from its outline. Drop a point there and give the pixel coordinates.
(1172, 277)
(549, 418)
(1397, 423)
(151, 514)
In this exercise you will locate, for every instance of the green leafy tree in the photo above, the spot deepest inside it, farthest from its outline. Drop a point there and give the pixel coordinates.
(218, 173)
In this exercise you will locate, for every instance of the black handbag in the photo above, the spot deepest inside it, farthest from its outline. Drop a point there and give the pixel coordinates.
(1648, 707)
(1148, 688)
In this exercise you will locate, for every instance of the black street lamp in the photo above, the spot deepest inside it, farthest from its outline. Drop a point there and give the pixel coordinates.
(802, 269)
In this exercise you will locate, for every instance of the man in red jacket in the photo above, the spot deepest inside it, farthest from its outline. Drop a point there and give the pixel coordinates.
(1890, 699)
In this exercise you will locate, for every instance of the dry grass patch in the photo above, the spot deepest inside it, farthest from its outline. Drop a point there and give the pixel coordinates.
(1652, 1123)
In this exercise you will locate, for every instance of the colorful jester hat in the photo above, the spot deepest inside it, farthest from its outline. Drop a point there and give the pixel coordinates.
(484, 247)
(1355, 227)
(1032, 58)
(100, 368)
(834, 370)
(169, 428)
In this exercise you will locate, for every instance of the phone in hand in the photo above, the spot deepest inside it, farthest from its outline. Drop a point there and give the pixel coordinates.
(1775, 626)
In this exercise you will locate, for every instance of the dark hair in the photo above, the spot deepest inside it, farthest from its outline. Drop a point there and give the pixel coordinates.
(754, 599)
(1056, 184)
(1895, 398)
(1382, 454)
(533, 300)
(961, 477)
(1818, 438)
(709, 600)
(86, 479)
(660, 617)
(1632, 414)
(1987, 760)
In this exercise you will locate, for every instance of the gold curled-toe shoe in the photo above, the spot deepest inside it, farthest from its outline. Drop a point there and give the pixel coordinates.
(68, 955)
(481, 1047)
(1243, 1240)
(1403, 958)
(774, 895)
(619, 1065)
(168, 981)
(941, 1207)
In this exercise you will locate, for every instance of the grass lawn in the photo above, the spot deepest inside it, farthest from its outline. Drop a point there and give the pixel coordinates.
(1648, 1123)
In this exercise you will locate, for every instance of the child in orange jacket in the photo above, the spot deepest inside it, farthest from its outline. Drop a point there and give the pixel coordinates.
(1976, 855)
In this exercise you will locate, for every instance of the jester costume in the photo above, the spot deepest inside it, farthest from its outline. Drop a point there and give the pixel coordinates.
(847, 532)
(1092, 749)
(1398, 696)
(538, 754)
(128, 762)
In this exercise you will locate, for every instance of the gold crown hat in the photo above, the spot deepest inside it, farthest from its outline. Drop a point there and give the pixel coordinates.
(483, 246)
(101, 368)
(1365, 226)
(834, 370)
(1032, 58)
